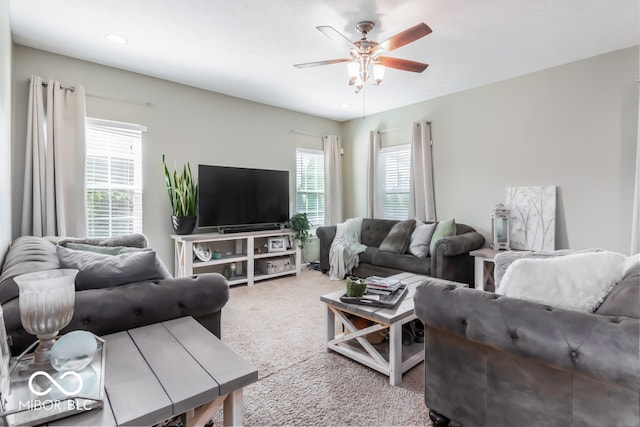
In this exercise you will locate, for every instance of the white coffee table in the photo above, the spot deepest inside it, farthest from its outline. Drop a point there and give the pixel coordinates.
(392, 358)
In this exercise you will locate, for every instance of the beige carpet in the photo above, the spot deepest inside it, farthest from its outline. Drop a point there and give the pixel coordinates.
(279, 325)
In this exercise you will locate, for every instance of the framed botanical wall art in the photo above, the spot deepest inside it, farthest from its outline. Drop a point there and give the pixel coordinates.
(533, 217)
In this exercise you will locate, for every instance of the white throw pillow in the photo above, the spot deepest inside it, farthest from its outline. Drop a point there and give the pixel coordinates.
(420, 239)
(578, 282)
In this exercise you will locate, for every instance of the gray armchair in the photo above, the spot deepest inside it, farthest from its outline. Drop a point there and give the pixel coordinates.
(497, 361)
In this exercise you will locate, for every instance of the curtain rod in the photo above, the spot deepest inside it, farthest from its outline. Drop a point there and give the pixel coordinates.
(97, 95)
(301, 132)
(395, 129)
(46, 84)
(392, 129)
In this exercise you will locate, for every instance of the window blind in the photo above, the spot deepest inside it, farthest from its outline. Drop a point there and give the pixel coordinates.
(310, 185)
(113, 178)
(396, 171)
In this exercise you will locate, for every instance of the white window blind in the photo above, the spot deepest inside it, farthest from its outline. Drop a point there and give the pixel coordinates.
(310, 185)
(396, 167)
(113, 178)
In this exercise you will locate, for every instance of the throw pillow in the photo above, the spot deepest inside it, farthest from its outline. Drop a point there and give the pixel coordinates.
(106, 250)
(421, 238)
(443, 229)
(133, 240)
(624, 298)
(397, 241)
(578, 282)
(105, 271)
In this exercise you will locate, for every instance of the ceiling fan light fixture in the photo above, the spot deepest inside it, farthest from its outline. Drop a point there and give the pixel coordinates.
(358, 71)
(353, 69)
(365, 53)
(378, 73)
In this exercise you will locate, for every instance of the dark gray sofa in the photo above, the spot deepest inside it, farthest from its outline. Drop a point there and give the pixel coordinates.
(104, 310)
(451, 260)
(497, 361)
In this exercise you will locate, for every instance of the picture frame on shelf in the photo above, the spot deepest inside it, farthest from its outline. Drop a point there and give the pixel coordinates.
(202, 252)
(276, 244)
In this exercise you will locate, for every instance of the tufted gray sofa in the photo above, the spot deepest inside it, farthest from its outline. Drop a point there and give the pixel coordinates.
(106, 310)
(451, 261)
(497, 361)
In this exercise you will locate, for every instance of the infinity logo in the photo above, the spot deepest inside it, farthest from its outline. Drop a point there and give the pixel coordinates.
(55, 383)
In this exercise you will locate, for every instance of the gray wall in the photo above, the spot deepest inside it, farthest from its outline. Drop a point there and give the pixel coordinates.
(185, 123)
(572, 126)
(5, 128)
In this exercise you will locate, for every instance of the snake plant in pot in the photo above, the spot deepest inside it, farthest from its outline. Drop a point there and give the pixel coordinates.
(183, 196)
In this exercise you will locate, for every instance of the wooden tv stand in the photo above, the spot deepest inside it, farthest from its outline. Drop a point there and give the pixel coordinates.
(244, 249)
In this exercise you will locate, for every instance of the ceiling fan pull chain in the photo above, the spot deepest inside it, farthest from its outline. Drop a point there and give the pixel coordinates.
(363, 91)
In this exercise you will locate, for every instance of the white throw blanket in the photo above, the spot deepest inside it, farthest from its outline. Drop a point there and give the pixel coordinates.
(578, 282)
(343, 254)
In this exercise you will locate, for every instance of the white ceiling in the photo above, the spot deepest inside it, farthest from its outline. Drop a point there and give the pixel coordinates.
(247, 48)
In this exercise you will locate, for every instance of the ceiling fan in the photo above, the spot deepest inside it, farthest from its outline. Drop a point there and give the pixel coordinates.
(365, 53)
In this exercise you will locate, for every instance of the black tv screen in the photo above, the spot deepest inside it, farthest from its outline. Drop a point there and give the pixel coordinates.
(230, 196)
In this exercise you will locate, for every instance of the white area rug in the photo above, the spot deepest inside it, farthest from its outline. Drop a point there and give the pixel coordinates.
(279, 325)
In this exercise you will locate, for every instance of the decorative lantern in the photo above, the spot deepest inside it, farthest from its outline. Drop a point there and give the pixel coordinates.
(500, 227)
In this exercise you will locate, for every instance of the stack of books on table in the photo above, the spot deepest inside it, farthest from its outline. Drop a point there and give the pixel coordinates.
(381, 292)
(382, 285)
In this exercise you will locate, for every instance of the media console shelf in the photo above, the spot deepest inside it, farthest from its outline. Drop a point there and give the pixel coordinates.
(246, 250)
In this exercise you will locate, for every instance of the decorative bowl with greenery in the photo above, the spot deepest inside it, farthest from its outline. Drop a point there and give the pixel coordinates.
(183, 196)
(301, 225)
(356, 287)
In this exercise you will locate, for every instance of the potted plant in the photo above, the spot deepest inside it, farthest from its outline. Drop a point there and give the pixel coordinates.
(183, 196)
(300, 224)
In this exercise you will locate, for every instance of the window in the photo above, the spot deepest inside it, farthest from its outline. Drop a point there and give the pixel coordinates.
(113, 178)
(396, 167)
(310, 185)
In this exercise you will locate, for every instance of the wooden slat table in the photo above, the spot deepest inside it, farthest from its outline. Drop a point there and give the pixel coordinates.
(159, 371)
(392, 361)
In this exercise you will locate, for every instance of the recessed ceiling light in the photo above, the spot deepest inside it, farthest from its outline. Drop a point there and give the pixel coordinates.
(116, 39)
(345, 106)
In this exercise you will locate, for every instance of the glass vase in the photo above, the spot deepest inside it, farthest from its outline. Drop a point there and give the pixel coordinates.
(47, 301)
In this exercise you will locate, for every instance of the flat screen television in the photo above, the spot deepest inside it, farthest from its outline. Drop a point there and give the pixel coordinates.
(231, 197)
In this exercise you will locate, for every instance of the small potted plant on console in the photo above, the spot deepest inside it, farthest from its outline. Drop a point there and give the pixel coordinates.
(300, 224)
(183, 196)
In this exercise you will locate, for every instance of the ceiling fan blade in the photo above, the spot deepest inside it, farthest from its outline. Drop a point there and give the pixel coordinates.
(402, 64)
(334, 34)
(407, 36)
(317, 63)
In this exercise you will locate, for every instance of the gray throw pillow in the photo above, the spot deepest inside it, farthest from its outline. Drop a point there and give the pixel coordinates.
(399, 237)
(136, 240)
(105, 271)
(624, 298)
(420, 239)
(106, 250)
